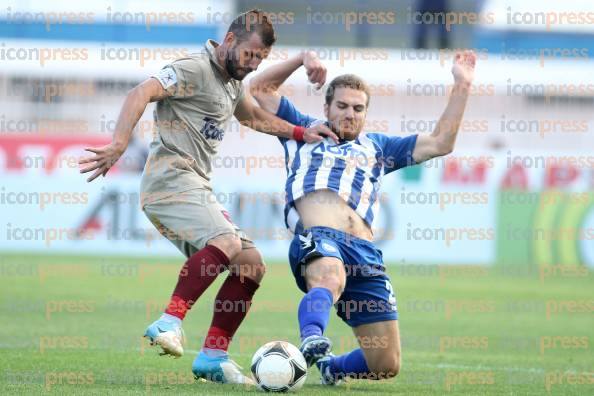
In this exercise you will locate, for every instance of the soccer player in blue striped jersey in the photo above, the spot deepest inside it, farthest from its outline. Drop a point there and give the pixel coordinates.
(332, 201)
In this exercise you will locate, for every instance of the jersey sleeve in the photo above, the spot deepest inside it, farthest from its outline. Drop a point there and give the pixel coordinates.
(396, 152)
(181, 78)
(288, 112)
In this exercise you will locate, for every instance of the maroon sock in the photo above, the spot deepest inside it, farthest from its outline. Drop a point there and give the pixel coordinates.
(231, 306)
(197, 274)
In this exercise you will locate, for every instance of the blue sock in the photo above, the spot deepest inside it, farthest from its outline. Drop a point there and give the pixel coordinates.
(351, 364)
(314, 312)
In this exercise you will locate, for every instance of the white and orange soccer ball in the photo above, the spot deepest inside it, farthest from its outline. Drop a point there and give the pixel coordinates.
(279, 366)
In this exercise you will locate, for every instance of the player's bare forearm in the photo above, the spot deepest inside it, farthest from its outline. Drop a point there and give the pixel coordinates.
(272, 78)
(446, 130)
(264, 86)
(442, 140)
(261, 120)
(131, 111)
(134, 105)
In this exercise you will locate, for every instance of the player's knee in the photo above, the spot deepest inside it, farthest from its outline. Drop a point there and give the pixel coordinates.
(257, 267)
(387, 366)
(330, 282)
(336, 286)
(249, 264)
(331, 277)
(228, 244)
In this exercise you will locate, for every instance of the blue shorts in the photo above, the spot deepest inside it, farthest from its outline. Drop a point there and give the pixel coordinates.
(368, 295)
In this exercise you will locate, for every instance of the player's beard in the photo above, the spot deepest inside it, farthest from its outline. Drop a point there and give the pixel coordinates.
(343, 133)
(231, 61)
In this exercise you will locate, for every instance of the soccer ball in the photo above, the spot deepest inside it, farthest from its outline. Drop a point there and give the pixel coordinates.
(279, 367)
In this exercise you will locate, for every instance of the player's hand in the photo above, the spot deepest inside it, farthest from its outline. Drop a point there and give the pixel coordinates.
(105, 157)
(463, 68)
(316, 71)
(317, 133)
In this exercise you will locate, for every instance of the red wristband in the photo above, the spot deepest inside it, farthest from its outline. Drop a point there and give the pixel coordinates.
(298, 132)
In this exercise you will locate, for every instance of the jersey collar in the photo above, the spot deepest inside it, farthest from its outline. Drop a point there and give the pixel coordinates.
(210, 48)
(340, 140)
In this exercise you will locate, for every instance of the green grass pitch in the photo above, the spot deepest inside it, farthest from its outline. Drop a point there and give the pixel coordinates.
(72, 325)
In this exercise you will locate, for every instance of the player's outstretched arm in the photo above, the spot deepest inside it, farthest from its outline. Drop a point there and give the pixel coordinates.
(105, 157)
(261, 120)
(442, 140)
(264, 86)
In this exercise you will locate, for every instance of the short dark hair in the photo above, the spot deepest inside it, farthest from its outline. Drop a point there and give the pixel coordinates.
(347, 81)
(253, 21)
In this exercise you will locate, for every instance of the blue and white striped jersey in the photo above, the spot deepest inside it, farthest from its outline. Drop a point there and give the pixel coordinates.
(352, 169)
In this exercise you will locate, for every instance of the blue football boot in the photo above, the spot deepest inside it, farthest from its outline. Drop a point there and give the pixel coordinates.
(168, 335)
(219, 369)
(327, 378)
(314, 348)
